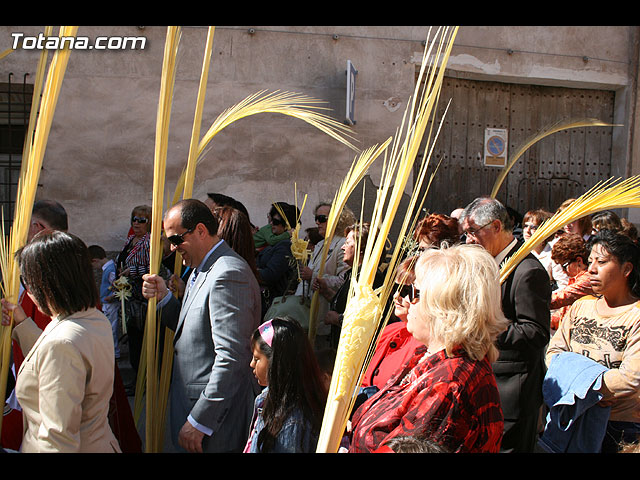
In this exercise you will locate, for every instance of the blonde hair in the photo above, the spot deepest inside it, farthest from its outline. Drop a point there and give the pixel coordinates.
(347, 218)
(460, 299)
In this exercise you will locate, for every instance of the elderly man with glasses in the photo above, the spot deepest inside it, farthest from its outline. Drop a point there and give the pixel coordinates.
(526, 295)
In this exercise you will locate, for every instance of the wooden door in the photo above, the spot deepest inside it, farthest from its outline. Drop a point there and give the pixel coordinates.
(560, 166)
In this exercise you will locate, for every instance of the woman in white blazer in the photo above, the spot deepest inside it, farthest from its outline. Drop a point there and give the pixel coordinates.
(66, 379)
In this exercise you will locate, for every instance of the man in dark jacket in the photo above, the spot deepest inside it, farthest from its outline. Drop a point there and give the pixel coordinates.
(526, 295)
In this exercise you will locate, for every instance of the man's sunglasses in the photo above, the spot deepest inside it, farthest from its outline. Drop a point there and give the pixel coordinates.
(139, 219)
(322, 218)
(409, 291)
(178, 238)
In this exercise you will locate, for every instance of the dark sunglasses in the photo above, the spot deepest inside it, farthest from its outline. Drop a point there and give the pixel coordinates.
(409, 291)
(276, 221)
(321, 218)
(139, 219)
(178, 238)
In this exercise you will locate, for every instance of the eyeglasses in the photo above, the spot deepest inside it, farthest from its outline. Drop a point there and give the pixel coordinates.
(531, 226)
(321, 218)
(409, 291)
(474, 232)
(178, 238)
(565, 265)
(139, 219)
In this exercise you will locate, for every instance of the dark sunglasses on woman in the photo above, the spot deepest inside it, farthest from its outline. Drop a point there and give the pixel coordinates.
(321, 218)
(409, 291)
(139, 219)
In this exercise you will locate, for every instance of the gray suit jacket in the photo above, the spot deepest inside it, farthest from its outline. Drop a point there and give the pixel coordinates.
(211, 379)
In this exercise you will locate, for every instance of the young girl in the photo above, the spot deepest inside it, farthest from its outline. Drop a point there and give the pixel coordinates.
(288, 413)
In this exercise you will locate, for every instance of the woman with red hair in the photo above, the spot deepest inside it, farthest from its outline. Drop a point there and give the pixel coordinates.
(436, 228)
(571, 252)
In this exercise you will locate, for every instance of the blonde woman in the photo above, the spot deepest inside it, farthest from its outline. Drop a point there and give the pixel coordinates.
(447, 391)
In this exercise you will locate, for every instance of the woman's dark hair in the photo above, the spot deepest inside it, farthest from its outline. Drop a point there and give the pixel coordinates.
(290, 211)
(56, 269)
(222, 200)
(294, 379)
(624, 250)
(235, 229)
(538, 215)
(629, 229)
(326, 359)
(606, 220)
(193, 212)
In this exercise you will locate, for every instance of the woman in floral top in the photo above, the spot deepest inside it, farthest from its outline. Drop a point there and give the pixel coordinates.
(447, 391)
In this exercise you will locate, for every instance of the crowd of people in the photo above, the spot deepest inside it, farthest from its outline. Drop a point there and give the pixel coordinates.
(464, 363)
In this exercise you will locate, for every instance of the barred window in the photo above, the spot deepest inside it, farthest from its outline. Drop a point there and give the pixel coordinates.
(15, 106)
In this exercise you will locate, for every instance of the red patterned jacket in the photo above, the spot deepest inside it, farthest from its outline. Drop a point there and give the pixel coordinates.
(452, 400)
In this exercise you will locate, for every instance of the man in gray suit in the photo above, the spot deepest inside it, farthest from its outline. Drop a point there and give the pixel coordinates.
(212, 386)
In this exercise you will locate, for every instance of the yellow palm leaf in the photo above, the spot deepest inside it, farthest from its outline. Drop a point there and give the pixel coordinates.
(556, 127)
(604, 195)
(27, 186)
(355, 174)
(363, 314)
(153, 442)
(294, 105)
